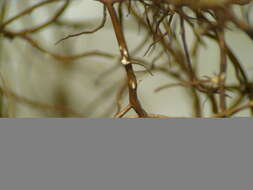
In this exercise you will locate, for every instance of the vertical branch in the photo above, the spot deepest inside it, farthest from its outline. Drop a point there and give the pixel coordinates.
(223, 69)
(196, 100)
(126, 61)
(188, 58)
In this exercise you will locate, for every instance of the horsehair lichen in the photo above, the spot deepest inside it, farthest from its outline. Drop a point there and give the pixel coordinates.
(208, 20)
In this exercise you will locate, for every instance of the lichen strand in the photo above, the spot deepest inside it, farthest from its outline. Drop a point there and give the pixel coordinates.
(205, 3)
(163, 24)
(110, 1)
(192, 3)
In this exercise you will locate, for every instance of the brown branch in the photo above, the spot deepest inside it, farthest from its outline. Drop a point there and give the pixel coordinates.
(37, 46)
(126, 61)
(223, 70)
(87, 32)
(38, 105)
(27, 11)
(123, 111)
(231, 112)
(47, 23)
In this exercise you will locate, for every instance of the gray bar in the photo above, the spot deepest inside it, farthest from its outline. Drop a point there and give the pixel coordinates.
(107, 154)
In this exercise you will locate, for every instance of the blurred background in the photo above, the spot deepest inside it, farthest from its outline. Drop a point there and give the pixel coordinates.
(37, 85)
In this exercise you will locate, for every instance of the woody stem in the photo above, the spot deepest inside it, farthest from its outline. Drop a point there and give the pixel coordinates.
(126, 61)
